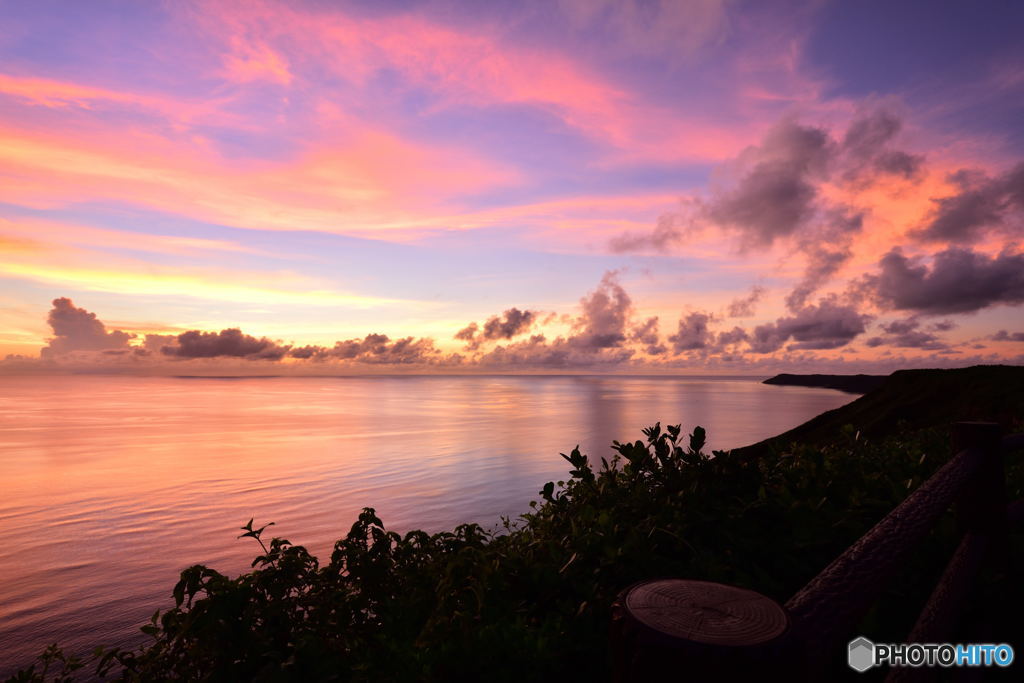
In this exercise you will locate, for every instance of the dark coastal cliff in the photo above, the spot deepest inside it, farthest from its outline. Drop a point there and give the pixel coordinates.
(918, 399)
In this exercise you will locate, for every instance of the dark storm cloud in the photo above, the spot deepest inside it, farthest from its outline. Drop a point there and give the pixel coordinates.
(959, 281)
(76, 329)
(983, 204)
(1003, 335)
(827, 325)
(230, 342)
(744, 306)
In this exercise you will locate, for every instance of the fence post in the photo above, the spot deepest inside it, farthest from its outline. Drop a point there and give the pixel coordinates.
(982, 523)
(982, 507)
(681, 630)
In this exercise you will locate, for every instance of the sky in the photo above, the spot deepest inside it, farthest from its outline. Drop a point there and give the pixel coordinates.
(681, 186)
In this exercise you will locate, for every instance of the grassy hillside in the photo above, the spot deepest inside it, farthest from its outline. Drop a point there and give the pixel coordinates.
(916, 399)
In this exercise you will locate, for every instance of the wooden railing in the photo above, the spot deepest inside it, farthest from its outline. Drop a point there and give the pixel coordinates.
(674, 627)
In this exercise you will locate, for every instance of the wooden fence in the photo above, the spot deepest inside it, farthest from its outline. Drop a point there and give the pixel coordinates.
(674, 629)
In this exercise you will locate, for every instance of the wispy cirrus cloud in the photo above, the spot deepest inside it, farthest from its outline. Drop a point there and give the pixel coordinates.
(168, 281)
(365, 181)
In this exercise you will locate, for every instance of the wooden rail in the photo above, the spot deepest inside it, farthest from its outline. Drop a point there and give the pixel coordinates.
(692, 628)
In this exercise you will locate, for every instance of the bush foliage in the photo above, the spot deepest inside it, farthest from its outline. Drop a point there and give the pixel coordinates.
(531, 600)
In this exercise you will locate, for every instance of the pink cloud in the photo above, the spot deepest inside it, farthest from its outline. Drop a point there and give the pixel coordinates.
(459, 68)
(56, 94)
(366, 179)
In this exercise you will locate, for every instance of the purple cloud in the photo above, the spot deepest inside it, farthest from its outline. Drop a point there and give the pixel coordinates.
(743, 307)
(983, 204)
(693, 333)
(230, 342)
(828, 325)
(959, 281)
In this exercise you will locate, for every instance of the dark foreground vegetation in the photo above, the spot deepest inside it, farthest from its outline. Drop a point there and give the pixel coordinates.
(532, 601)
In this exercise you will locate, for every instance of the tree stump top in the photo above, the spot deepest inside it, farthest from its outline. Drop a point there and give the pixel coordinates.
(706, 612)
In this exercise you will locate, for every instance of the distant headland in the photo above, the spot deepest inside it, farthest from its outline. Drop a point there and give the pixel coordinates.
(854, 384)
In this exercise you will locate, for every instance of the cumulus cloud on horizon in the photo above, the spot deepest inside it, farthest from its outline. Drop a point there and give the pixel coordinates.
(509, 324)
(230, 342)
(605, 331)
(76, 329)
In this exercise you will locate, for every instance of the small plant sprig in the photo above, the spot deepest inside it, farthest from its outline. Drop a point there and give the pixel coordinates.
(255, 533)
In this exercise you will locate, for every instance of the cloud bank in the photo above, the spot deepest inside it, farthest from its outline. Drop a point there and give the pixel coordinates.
(604, 333)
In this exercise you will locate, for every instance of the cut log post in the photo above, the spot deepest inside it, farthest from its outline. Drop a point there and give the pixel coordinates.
(681, 630)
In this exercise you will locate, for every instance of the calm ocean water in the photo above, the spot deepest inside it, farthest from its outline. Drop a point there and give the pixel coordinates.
(112, 485)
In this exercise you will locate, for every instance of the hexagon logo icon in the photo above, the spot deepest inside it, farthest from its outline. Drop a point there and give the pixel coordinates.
(861, 654)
